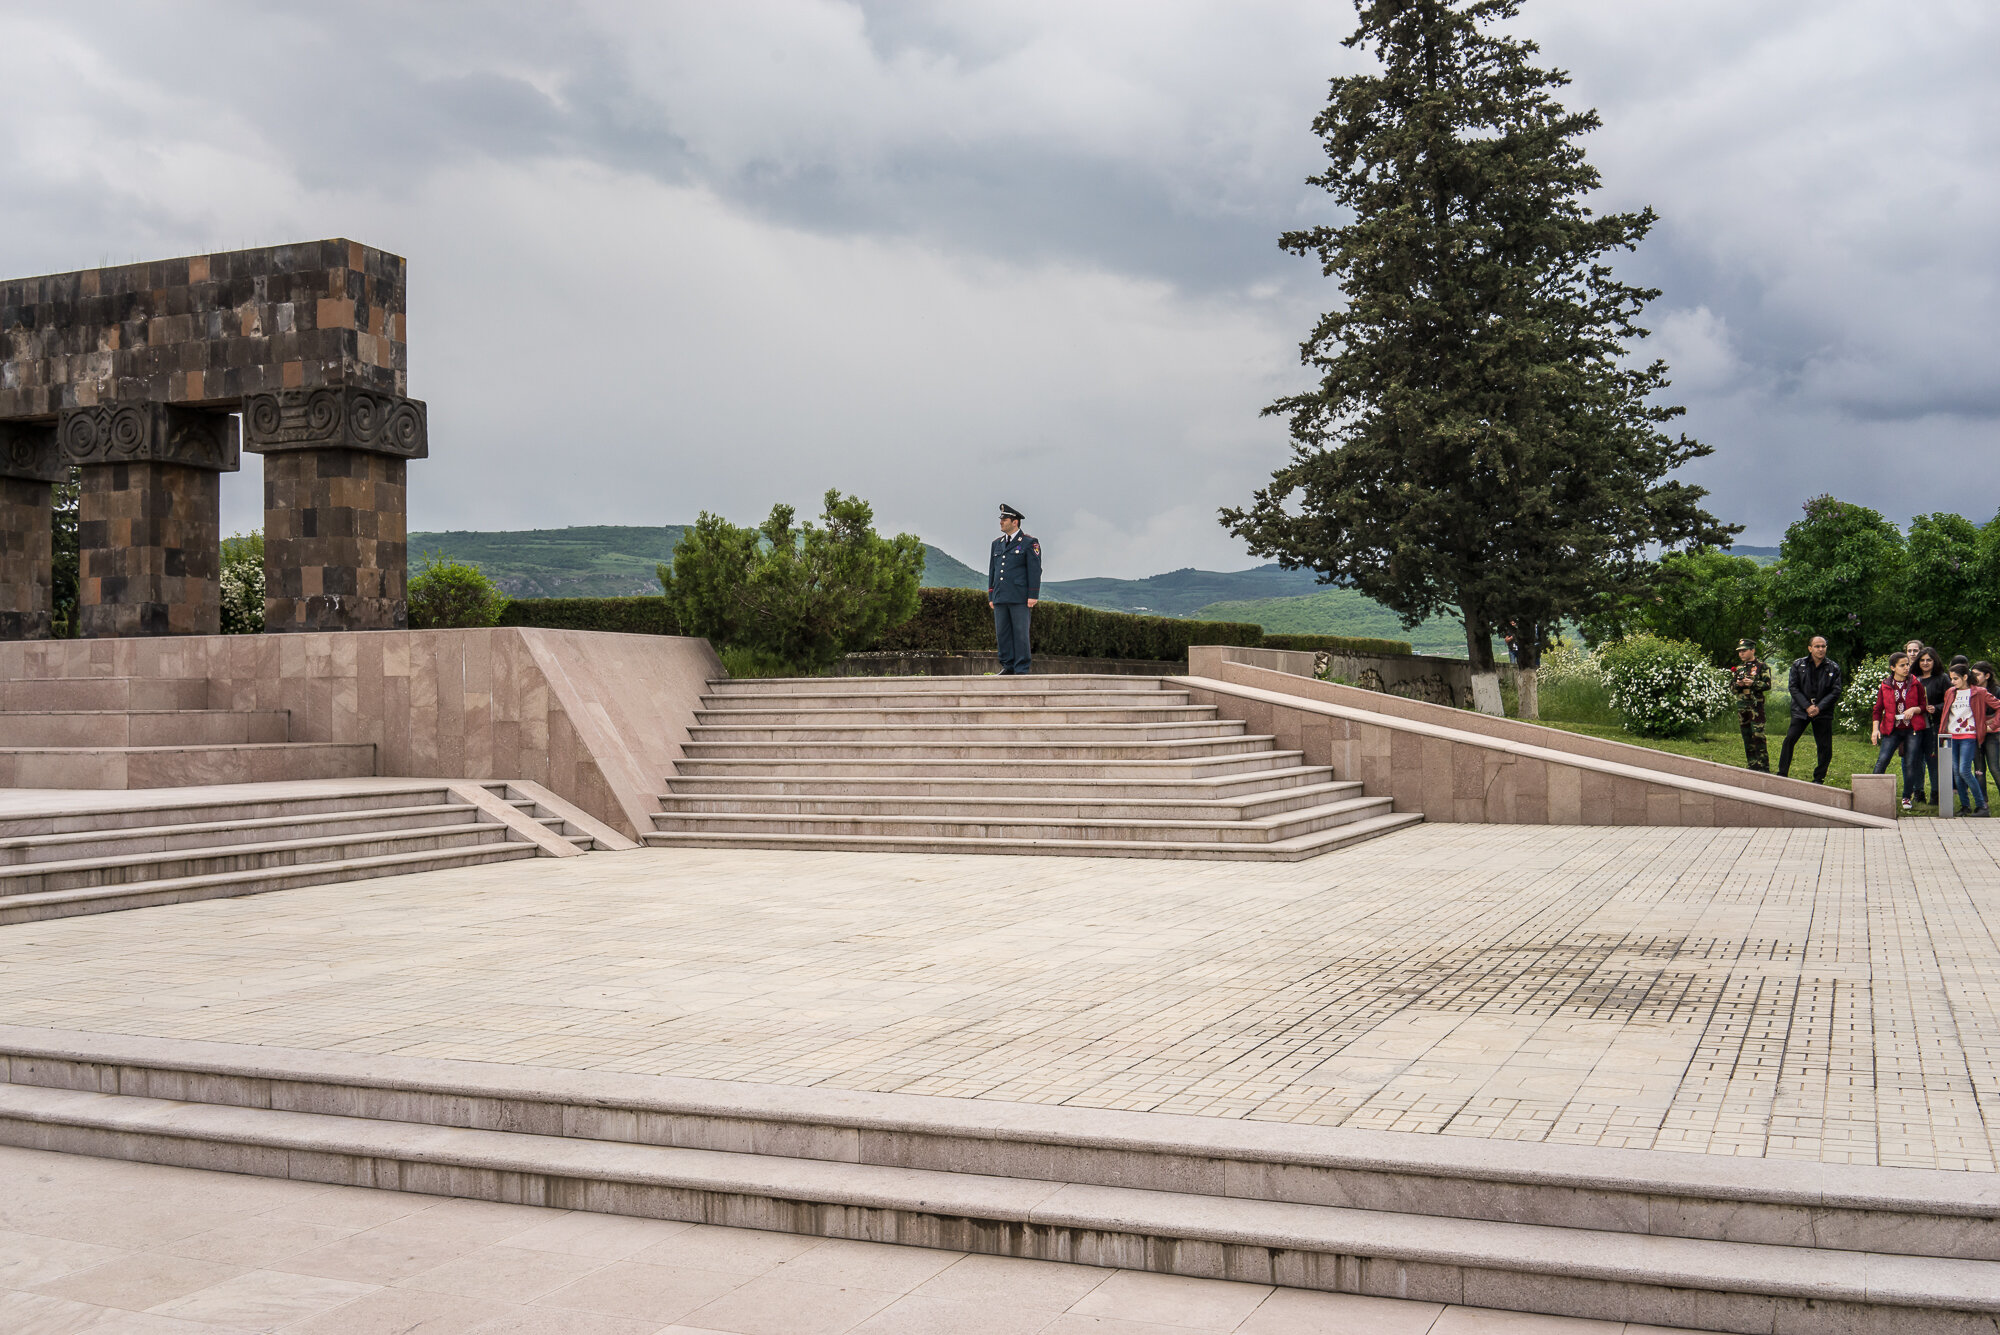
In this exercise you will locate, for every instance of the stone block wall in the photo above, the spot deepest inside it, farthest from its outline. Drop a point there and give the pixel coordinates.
(204, 329)
(336, 551)
(26, 518)
(151, 560)
(597, 718)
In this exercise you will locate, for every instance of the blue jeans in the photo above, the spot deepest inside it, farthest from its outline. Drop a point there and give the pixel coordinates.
(1010, 637)
(1963, 749)
(1911, 745)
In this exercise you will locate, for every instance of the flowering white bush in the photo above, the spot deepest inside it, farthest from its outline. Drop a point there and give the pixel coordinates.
(1856, 710)
(1663, 688)
(243, 584)
(1570, 662)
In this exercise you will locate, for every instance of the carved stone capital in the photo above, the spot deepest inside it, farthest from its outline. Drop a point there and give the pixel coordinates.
(338, 417)
(150, 433)
(28, 451)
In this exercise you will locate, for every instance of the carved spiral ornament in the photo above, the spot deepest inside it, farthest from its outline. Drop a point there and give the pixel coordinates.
(336, 418)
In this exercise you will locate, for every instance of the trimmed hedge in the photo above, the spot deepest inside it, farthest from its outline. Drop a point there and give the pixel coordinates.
(1336, 644)
(957, 621)
(642, 615)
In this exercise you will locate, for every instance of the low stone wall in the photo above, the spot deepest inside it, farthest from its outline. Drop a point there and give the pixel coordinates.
(1452, 774)
(1532, 734)
(599, 719)
(1426, 677)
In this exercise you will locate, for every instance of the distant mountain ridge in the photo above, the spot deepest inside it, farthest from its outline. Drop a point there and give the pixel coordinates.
(603, 561)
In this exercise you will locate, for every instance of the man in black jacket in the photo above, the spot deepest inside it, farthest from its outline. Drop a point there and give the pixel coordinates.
(1816, 685)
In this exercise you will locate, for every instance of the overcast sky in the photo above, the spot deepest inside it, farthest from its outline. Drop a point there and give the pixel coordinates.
(671, 257)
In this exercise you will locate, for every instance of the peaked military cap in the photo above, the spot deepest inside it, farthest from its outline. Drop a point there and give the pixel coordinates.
(1009, 512)
(1746, 644)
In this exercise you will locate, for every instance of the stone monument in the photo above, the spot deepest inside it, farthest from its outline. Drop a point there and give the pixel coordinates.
(133, 374)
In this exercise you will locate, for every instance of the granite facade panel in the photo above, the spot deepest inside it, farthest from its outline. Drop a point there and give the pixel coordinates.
(336, 549)
(26, 570)
(150, 562)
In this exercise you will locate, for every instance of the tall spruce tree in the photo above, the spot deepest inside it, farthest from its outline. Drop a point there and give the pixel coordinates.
(1478, 440)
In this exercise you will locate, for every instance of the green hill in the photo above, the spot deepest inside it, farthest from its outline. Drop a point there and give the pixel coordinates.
(606, 561)
(1341, 612)
(1181, 593)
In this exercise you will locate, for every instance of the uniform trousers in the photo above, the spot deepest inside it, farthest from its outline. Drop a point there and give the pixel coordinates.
(1010, 635)
(1822, 731)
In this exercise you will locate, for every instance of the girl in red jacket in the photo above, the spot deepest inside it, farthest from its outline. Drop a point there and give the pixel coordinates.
(1966, 711)
(1900, 724)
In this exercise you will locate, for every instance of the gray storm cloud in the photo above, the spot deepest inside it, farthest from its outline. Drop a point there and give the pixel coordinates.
(675, 257)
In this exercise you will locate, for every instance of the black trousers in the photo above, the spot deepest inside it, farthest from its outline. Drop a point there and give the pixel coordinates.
(1822, 731)
(1010, 634)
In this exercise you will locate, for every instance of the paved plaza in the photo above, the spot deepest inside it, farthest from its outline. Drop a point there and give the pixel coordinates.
(1818, 995)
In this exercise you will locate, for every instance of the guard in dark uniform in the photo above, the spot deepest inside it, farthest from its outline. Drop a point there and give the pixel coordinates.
(1750, 680)
(1013, 586)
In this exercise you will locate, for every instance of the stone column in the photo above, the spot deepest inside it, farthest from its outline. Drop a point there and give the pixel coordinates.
(29, 463)
(149, 517)
(336, 552)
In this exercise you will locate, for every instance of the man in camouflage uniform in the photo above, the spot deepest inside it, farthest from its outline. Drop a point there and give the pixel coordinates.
(1751, 681)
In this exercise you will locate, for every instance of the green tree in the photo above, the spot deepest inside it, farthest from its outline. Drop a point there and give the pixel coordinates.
(452, 595)
(1703, 596)
(801, 594)
(1947, 595)
(1840, 574)
(66, 558)
(1479, 441)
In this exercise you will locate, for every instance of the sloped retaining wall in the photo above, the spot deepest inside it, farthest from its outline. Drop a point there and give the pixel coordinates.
(597, 718)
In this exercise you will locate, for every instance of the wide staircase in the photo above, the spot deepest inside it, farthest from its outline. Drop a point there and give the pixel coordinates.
(152, 732)
(100, 852)
(1107, 766)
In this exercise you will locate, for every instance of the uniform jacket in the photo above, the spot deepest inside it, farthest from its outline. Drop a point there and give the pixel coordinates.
(1014, 569)
(1815, 685)
(1752, 682)
(1892, 698)
(1984, 707)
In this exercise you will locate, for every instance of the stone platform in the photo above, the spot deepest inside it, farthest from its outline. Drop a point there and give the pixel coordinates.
(1720, 1079)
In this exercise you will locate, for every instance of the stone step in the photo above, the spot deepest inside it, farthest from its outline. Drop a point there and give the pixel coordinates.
(1573, 1231)
(152, 727)
(933, 734)
(182, 766)
(1029, 773)
(1288, 850)
(225, 885)
(123, 841)
(1050, 682)
(87, 872)
(145, 808)
(1250, 807)
(118, 693)
(899, 700)
(1013, 828)
(974, 714)
(1092, 787)
(996, 752)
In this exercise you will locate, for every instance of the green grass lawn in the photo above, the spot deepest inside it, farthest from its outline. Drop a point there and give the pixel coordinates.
(1582, 707)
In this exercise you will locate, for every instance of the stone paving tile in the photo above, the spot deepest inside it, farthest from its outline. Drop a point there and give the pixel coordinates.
(565, 1276)
(1802, 994)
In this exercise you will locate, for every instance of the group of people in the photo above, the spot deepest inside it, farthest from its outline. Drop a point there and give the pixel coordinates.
(1924, 708)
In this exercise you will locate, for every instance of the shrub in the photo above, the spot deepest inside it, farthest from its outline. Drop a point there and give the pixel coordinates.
(1663, 688)
(1856, 710)
(805, 595)
(1569, 662)
(1332, 644)
(452, 595)
(958, 621)
(644, 615)
(243, 584)
(740, 662)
